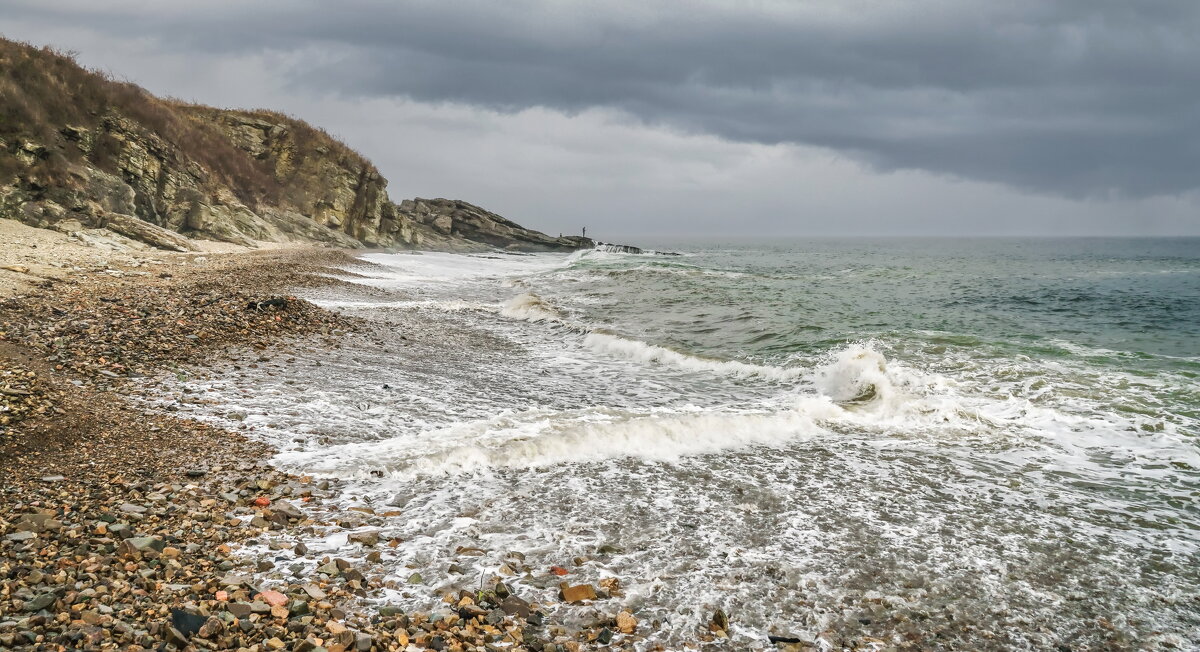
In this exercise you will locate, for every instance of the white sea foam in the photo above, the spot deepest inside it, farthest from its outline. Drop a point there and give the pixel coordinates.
(448, 305)
(539, 439)
(652, 354)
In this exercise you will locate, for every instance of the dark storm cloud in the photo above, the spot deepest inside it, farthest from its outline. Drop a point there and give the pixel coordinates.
(1076, 98)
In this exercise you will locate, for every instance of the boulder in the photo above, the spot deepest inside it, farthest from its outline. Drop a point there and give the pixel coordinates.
(137, 229)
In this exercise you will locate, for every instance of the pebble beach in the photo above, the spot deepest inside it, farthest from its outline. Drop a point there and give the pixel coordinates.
(123, 526)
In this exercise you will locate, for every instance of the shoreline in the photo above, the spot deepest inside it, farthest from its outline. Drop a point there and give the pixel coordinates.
(115, 514)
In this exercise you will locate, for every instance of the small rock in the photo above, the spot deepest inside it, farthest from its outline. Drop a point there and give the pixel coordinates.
(368, 538)
(41, 602)
(53, 478)
(142, 545)
(212, 627)
(176, 638)
(314, 591)
(626, 623)
(515, 606)
(469, 611)
(720, 621)
(579, 593)
(273, 598)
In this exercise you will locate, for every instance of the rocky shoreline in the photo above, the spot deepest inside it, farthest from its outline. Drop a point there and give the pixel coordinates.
(123, 527)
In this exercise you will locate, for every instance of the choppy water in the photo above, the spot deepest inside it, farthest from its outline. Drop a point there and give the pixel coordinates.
(984, 444)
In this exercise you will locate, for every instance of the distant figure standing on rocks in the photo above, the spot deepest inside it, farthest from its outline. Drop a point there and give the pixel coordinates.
(585, 231)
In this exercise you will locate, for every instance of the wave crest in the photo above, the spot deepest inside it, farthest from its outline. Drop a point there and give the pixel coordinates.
(638, 351)
(530, 307)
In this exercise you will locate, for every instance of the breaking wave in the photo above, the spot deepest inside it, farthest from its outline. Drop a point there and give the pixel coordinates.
(651, 354)
(530, 307)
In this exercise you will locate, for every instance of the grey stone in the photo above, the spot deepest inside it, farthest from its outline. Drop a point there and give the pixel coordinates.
(41, 602)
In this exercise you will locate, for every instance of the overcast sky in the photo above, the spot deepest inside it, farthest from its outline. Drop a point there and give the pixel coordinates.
(682, 119)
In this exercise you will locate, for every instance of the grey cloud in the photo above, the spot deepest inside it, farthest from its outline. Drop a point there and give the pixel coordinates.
(1073, 98)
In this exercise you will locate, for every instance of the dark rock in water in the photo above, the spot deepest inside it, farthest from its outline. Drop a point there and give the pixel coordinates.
(186, 623)
(467, 612)
(196, 473)
(515, 606)
(501, 590)
(784, 639)
(605, 636)
(720, 620)
(618, 248)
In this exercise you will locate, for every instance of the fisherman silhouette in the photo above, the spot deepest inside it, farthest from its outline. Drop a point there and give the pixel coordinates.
(585, 231)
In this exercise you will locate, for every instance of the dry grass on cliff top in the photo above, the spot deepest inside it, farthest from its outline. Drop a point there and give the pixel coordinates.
(43, 90)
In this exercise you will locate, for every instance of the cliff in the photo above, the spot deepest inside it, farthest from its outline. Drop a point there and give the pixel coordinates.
(83, 153)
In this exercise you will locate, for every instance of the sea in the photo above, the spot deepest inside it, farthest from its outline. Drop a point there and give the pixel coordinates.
(948, 443)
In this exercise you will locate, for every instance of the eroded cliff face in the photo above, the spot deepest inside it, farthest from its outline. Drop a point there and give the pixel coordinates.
(84, 154)
(322, 179)
(331, 199)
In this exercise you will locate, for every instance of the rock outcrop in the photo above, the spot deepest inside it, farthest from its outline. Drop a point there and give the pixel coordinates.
(77, 148)
(450, 222)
